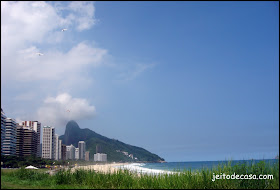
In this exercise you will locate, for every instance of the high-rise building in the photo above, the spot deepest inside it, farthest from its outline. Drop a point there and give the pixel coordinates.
(87, 156)
(98, 149)
(82, 149)
(56, 154)
(48, 145)
(77, 153)
(99, 157)
(20, 138)
(36, 126)
(59, 149)
(63, 152)
(26, 141)
(9, 142)
(70, 152)
(3, 128)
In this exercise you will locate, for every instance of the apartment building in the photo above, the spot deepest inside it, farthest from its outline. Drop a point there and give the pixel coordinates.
(59, 149)
(9, 142)
(70, 152)
(82, 150)
(3, 128)
(77, 153)
(48, 145)
(56, 152)
(36, 126)
(87, 156)
(26, 143)
(100, 157)
(63, 152)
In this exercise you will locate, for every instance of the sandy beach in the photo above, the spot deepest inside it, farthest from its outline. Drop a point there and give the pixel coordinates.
(103, 168)
(110, 168)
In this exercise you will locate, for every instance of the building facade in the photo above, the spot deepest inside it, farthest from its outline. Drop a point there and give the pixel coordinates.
(87, 156)
(82, 150)
(70, 152)
(59, 149)
(36, 126)
(99, 157)
(26, 144)
(63, 152)
(48, 144)
(3, 128)
(56, 153)
(98, 149)
(77, 153)
(9, 142)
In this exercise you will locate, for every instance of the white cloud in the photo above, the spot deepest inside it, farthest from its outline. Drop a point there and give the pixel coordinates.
(54, 110)
(31, 27)
(85, 11)
(26, 65)
(24, 23)
(26, 78)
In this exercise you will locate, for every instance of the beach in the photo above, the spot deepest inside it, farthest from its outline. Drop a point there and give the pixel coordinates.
(114, 167)
(102, 168)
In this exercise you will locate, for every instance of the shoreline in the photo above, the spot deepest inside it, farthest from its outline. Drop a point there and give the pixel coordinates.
(137, 168)
(103, 168)
(114, 167)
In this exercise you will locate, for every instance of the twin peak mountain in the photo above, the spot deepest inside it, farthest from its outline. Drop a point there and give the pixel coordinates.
(116, 151)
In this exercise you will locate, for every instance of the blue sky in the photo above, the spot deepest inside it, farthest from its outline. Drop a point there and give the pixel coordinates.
(189, 81)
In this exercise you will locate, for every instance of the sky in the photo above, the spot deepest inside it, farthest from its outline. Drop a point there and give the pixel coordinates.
(188, 81)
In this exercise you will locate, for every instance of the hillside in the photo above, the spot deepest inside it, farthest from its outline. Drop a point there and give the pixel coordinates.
(113, 148)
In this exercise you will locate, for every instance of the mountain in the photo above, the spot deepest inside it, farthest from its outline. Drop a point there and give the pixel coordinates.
(115, 150)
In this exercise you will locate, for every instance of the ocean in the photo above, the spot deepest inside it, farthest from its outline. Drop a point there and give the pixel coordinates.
(170, 167)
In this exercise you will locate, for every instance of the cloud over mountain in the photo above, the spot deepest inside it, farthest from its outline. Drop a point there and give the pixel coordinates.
(57, 111)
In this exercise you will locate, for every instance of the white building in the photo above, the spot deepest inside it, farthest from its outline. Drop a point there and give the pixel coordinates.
(3, 128)
(9, 143)
(56, 154)
(59, 149)
(77, 153)
(48, 145)
(82, 149)
(100, 157)
(70, 152)
(36, 126)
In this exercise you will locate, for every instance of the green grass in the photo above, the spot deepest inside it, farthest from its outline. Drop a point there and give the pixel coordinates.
(123, 179)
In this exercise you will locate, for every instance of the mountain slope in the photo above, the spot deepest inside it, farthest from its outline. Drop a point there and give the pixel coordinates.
(113, 148)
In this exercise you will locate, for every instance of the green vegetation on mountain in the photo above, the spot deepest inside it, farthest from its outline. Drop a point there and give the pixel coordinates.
(113, 148)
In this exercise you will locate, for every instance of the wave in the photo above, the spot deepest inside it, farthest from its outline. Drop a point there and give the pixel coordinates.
(138, 168)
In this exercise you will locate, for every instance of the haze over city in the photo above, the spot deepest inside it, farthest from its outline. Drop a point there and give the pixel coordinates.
(188, 81)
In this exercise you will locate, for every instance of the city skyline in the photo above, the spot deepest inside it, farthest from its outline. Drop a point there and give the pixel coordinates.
(188, 81)
(23, 139)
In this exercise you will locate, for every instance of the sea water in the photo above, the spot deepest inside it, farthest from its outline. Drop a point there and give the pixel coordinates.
(171, 167)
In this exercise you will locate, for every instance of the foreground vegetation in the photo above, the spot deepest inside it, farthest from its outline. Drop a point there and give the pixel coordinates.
(22, 178)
